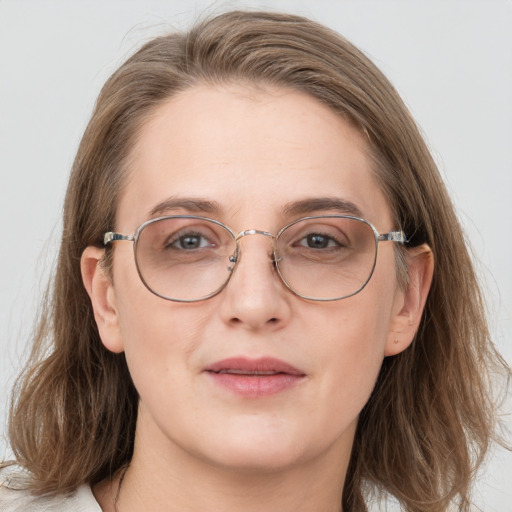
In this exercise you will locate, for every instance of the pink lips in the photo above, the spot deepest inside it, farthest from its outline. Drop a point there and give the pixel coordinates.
(254, 378)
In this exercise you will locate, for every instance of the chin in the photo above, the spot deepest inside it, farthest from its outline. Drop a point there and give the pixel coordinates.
(258, 448)
(257, 458)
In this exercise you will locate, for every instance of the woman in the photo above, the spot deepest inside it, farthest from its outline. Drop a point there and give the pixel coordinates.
(263, 299)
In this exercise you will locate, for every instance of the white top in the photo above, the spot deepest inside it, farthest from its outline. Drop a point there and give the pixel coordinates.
(14, 500)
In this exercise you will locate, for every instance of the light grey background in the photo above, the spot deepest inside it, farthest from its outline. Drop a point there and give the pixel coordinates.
(450, 60)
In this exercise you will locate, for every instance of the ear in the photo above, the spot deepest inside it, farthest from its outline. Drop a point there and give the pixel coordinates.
(101, 291)
(406, 320)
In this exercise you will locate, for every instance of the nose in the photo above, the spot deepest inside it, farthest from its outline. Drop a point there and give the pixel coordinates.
(255, 297)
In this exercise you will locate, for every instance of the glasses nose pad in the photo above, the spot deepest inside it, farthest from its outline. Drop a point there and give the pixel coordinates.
(233, 260)
(275, 258)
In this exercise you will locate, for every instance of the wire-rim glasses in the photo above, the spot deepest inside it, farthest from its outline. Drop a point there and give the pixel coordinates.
(189, 258)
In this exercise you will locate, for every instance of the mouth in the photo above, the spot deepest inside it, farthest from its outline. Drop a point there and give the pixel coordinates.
(253, 378)
(255, 373)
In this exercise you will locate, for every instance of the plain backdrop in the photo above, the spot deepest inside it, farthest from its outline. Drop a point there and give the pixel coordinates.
(450, 60)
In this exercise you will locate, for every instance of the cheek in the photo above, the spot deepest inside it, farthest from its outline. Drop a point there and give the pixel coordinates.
(352, 342)
(161, 344)
(158, 336)
(157, 333)
(357, 327)
(146, 319)
(355, 352)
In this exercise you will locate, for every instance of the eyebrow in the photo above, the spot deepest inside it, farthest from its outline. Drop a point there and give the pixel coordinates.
(195, 205)
(313, 205)
(303, 207)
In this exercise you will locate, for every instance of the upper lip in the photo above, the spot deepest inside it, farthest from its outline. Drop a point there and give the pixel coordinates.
(247, 366)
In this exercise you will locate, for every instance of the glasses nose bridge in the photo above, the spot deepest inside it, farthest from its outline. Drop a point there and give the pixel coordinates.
(248, 232)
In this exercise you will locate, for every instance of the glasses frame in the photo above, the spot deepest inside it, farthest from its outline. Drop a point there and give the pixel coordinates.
(391, 236)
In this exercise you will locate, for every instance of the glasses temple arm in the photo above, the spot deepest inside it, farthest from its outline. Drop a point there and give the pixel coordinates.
(114, 237)
(393, 236)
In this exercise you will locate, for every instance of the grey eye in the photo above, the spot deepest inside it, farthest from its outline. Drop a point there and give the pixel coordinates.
(190, 241)
(317, 241)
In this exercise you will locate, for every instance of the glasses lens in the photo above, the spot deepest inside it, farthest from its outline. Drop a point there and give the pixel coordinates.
(183, 258)
(326, 257)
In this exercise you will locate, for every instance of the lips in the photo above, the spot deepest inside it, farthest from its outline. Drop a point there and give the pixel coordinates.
(254, 378)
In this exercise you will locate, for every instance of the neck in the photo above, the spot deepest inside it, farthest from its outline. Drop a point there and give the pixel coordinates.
(172, 479)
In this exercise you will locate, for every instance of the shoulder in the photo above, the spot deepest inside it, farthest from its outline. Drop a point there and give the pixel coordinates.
(15, 498)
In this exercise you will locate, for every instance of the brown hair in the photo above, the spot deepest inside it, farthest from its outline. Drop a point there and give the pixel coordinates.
(431, 416)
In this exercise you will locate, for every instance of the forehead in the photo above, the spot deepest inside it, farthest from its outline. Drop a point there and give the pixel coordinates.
(251, 152)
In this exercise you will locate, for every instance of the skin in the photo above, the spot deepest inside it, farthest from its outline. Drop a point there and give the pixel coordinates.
(201, 447)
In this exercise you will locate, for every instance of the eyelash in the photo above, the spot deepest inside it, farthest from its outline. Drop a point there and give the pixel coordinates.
(180, 237)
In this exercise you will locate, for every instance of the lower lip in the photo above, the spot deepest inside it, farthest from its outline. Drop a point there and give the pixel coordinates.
(253, 386)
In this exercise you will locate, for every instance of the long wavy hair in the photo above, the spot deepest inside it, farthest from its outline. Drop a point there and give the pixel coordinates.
(431, 416)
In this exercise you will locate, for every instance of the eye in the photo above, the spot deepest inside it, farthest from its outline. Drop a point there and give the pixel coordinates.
(189, 241)
(318, 241)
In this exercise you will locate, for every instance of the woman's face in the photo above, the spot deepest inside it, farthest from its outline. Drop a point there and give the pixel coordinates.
(243, 155)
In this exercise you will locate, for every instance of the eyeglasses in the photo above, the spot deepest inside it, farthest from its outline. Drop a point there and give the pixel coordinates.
(186, 258)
